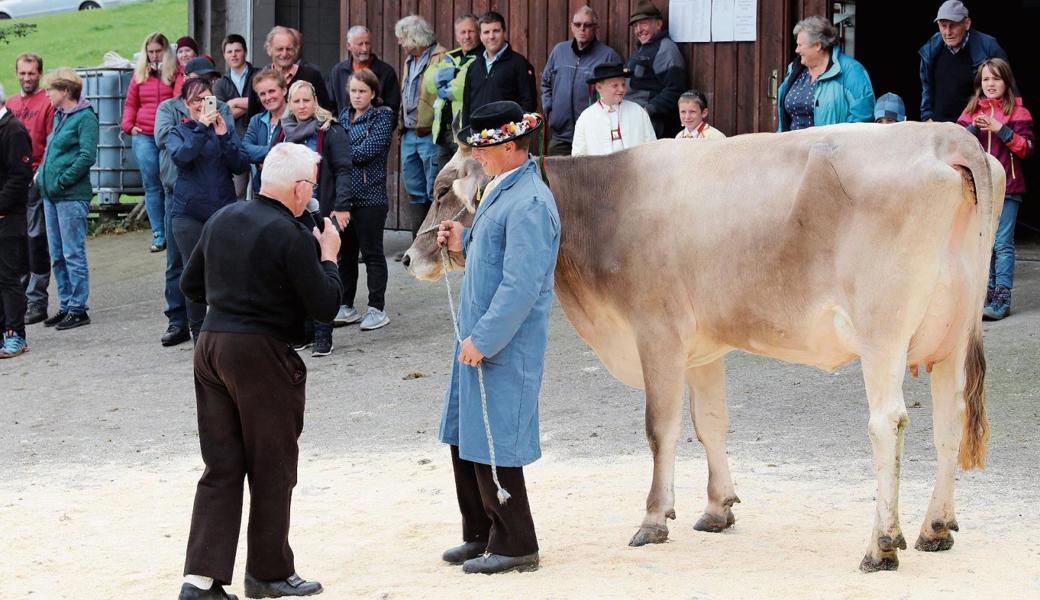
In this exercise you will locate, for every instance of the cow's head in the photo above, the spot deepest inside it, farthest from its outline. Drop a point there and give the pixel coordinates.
(455, 189)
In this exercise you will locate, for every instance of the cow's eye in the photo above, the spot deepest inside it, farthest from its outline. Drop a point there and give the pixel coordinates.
(443, 190)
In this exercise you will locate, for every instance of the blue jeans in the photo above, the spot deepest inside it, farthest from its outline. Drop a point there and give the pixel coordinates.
(418, 166)
(67, 242)
(176, 311)
(1002, 265)
(147, 155)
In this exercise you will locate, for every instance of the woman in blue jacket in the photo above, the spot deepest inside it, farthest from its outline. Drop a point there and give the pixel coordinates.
(825, 86)
(264, 127)
(207, 154)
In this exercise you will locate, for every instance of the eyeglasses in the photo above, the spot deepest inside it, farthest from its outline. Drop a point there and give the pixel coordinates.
(313, 184)
(583, 25)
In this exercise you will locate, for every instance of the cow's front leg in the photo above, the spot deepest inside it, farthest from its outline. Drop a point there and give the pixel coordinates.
(947, 383)
(711, 421)
(883, 376)
(663, 380)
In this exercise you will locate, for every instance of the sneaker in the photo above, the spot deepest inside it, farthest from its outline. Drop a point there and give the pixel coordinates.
(374, 319)
(14, 345)
(322, 346)
(57, 318)
(346, 316)
(303, 345)
(73, 320)
(1000, 306)
(35, 313)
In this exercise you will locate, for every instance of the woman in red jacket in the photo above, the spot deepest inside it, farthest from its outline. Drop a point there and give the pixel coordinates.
(154, 80)
(1005, 128)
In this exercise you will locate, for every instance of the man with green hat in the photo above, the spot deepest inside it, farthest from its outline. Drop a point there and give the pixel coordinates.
(658, 69)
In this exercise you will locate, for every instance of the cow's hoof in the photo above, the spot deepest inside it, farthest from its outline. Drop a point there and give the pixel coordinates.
(885, 563)
(714, 523)
(934, 545)
(649, 535)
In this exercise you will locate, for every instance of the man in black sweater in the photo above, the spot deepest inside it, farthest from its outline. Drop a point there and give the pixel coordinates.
(15, 175)
(360, 56)
(283, 46)
(500, 74)
(262, 274)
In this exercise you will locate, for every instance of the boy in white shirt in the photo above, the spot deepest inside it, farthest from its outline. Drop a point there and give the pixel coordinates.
(693, 114)
(611, 123)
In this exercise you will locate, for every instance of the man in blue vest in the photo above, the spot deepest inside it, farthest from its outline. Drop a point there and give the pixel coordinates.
(949, 61)
(658, 70)
(565, 94)
(510, 250)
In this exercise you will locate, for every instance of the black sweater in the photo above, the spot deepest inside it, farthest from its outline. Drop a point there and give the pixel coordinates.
(511, 78)
(259, 271)
(15, 165)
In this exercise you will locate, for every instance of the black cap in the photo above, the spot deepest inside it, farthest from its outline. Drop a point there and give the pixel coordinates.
(200, 65)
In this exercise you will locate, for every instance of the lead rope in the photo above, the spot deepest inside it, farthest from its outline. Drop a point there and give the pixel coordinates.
(503, 495)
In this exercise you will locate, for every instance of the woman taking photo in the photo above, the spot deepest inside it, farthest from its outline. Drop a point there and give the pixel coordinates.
(64, 180)
(370, 128)
(311, 125)
(155, 77)
(207, 153)
(1004, 127)
(824, 86)
(269, 86)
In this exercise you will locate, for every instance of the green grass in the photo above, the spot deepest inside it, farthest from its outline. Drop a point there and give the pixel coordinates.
(81, 39)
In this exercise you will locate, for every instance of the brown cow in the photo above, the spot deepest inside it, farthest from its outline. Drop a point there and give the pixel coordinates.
(815, 247)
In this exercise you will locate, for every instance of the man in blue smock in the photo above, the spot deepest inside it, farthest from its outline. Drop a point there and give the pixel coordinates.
(506, 298)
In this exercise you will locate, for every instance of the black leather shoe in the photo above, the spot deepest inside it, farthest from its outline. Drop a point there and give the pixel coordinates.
(215, 592)
(496, 563)
(57, 318)
(35, 314)
(175, 334)
(294, 585)
(460, 554)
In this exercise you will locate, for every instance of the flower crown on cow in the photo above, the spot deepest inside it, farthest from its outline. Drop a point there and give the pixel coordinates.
(497, 123)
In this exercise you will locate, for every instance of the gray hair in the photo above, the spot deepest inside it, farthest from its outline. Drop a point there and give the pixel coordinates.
(466, 17)
(414, 32)
(356, 30)
(819, 31)
(588, 10)
(288, 163)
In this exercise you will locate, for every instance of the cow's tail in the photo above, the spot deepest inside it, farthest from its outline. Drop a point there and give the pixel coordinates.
(976, 423)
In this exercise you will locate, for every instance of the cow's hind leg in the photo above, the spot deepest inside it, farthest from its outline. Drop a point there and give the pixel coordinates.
(663, 379)
(710, 420)
(948, 382)
(883, 375)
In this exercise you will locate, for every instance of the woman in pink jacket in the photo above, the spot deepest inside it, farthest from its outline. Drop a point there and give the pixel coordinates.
(1005, 128)
(154, 80)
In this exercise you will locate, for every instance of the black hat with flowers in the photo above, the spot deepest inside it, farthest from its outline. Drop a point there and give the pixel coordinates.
(497, 123)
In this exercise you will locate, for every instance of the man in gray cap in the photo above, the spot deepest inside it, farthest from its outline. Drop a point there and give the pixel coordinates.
(949, 61)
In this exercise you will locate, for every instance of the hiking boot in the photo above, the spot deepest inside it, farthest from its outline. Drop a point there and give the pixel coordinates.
(322, 345)
(1000, 306)
(73, 320)
(374, 319)
(14, 345)
(57, 318)
(35, 313)
(346, 316)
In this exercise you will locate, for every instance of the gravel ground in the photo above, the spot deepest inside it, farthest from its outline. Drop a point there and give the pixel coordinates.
(108, 396)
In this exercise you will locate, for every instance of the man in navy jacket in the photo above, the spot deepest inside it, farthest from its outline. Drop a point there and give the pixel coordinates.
(500, 74)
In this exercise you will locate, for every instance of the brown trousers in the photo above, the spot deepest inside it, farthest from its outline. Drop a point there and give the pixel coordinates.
(250, 393)
(507, 528)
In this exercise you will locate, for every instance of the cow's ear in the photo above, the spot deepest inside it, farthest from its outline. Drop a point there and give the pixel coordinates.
(465, 189)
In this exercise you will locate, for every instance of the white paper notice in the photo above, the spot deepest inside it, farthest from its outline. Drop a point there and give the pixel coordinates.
(745, 20)
(723, 13)
(689, 20)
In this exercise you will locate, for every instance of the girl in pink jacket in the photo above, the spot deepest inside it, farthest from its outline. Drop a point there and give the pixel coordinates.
(1004, 127)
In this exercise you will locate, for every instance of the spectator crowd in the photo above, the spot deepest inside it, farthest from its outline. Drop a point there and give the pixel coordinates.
(201, 136)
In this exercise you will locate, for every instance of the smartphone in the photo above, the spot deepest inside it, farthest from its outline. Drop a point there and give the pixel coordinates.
(209, 105)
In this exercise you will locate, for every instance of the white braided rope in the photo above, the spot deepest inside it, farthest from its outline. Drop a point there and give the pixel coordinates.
(503, 495)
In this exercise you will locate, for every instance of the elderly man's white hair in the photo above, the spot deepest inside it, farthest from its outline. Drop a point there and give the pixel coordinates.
(414, 32)
(356, 31)
(288, 163)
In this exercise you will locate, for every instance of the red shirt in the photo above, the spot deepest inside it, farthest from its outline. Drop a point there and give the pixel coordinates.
(37, 114)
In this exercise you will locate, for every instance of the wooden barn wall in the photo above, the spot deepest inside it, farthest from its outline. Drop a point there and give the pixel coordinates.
(738, 77)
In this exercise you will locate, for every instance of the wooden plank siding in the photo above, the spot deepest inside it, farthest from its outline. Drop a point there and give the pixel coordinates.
(737, 77)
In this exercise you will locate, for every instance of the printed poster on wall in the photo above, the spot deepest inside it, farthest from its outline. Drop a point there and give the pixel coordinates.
(689, 20)
(713, 20)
